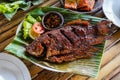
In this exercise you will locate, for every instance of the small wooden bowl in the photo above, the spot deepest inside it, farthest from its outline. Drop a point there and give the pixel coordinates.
(97, 7)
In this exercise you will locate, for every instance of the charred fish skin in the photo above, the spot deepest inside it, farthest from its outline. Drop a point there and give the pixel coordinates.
(70, 42)
(35, 48)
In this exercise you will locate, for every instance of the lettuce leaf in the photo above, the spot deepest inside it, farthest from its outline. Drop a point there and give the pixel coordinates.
(10, 7)
(26, 27)
(30, 19)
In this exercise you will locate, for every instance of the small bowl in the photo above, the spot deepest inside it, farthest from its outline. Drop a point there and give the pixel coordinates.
(52, 20)
(97, 7)
(111, 10)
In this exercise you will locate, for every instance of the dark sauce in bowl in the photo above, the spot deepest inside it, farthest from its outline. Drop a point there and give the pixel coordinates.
(52, 20)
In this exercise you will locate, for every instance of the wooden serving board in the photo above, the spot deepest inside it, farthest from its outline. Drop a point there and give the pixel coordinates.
(110, 64)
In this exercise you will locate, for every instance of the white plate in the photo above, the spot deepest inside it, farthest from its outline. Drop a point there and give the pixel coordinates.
(111, 8)
(11, 68)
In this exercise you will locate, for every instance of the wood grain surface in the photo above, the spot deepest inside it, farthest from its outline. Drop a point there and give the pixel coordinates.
(110, 64)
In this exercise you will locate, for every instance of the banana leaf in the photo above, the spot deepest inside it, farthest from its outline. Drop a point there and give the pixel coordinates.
(89, 67)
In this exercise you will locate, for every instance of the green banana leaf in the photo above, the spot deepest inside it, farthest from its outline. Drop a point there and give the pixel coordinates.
(89, 67)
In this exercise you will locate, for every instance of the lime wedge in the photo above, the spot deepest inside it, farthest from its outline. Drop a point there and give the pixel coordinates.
(32, 35)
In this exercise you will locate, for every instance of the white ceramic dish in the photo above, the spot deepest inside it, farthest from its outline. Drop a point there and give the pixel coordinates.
(12, 68)
(111, 9)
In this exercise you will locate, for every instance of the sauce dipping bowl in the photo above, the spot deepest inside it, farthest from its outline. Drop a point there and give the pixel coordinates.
(52, 20)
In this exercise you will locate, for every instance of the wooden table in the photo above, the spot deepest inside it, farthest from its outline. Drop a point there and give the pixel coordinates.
(110, 64)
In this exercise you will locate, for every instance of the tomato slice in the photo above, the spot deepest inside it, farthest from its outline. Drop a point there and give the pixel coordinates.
(36, 30)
